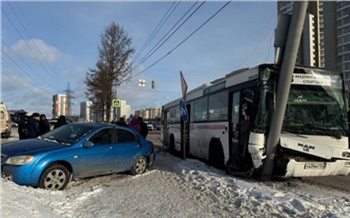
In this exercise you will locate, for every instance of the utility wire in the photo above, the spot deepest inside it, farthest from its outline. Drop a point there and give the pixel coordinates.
(184, 39)
(40, 50)
(272, 42)
(156, 30)
(34, 81)
(149, 54)
(257, 45)
(54, 79)
(39, 76)
(23, 84)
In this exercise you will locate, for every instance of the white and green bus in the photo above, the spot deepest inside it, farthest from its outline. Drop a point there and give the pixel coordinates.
(229, 121)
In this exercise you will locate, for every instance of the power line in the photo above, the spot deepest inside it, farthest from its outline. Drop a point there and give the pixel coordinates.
(156, 30)
(272, 42)
(14, 70)
(30, 47)
(44, 55)
(257, 45)
(184, 39)
(150, 53)
(39, 76)
(151, 90)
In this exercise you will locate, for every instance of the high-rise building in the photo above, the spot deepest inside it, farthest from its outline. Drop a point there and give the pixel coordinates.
(59, 106)
(310, 50)
(123, 111)
(86, 111)
(149, 113)
(327, 43)
(343, 38)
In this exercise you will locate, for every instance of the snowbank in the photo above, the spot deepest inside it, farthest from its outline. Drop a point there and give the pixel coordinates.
(175, 188)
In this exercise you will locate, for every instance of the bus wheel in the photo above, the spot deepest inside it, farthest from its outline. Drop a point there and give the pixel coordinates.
(216, 155)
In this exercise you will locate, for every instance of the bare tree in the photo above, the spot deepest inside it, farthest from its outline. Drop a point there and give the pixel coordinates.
(112, 68)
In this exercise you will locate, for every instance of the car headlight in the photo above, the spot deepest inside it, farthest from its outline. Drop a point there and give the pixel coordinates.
(19, 160)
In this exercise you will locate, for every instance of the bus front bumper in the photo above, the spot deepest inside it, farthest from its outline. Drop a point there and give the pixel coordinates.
(305, 169)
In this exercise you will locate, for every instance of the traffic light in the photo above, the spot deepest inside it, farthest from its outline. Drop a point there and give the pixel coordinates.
(153, 84)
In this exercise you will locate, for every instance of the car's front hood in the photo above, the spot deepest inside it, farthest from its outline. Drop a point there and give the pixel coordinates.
(29, 146)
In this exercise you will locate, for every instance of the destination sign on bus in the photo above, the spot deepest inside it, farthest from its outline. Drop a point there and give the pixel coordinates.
(311, 79)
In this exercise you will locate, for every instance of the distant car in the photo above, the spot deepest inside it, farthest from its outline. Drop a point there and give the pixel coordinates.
(75, 151)
(157, 126)
(149, 126)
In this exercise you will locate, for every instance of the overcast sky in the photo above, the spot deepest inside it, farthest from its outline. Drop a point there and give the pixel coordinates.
(45, 45)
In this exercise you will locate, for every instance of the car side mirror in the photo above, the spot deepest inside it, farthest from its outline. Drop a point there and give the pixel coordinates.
(88, 144)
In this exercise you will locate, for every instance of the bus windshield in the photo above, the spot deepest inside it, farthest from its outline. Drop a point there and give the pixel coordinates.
(316, 110)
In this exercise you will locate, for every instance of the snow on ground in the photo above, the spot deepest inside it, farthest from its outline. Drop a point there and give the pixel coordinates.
(175, 188)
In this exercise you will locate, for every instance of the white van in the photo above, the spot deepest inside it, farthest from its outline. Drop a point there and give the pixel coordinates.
(5, 121)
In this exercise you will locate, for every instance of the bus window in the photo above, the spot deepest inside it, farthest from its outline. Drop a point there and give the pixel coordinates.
(218, 106)
(200, 109)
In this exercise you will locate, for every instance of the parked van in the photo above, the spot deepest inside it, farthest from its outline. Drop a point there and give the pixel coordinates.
(5, 121)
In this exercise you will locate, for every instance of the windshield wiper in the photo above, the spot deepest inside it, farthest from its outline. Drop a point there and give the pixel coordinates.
(50, 140)
(58, 141)
(328, 131)
(294, 133)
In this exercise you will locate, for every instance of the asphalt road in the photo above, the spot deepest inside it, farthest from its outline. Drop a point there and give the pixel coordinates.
(341, 183)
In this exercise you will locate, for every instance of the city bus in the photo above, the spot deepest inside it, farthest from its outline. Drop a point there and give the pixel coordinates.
(229, 120)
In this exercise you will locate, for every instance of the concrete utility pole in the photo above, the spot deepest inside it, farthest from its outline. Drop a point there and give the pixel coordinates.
(286, 74)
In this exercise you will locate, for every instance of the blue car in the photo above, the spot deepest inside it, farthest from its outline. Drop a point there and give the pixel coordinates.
(75, 151)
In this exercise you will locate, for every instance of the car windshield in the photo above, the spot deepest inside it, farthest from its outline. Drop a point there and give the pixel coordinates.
(67, 134)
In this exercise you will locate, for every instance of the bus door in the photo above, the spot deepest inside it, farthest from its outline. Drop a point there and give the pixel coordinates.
(239, 127)
(165, 129)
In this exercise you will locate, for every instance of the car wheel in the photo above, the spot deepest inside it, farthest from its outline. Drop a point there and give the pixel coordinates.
(54, 177)
(139, 166)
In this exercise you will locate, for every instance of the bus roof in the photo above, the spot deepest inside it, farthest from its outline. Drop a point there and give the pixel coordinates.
(233, 78)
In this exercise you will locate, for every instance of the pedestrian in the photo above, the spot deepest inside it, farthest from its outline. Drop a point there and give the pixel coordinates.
(121, 122)
(23, 128)
(44, 125)
(143, 127)
(61, 121)
(129, 119)
(33, 125)
(134, 125)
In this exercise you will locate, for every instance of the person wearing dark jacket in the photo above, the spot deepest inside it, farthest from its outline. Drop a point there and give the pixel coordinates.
(23, 128)
(121, 122)
(143, 127)
(61, 121)
(44, 125)
(33, 126)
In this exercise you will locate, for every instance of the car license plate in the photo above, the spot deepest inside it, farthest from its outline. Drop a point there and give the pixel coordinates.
(315, 166)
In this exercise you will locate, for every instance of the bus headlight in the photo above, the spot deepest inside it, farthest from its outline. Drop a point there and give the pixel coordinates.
(19, 160)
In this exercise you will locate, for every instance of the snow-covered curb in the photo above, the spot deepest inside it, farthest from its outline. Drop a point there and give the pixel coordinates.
(175, 188)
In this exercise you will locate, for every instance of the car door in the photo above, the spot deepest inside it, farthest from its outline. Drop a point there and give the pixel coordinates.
(99, 158)
(126, 150)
